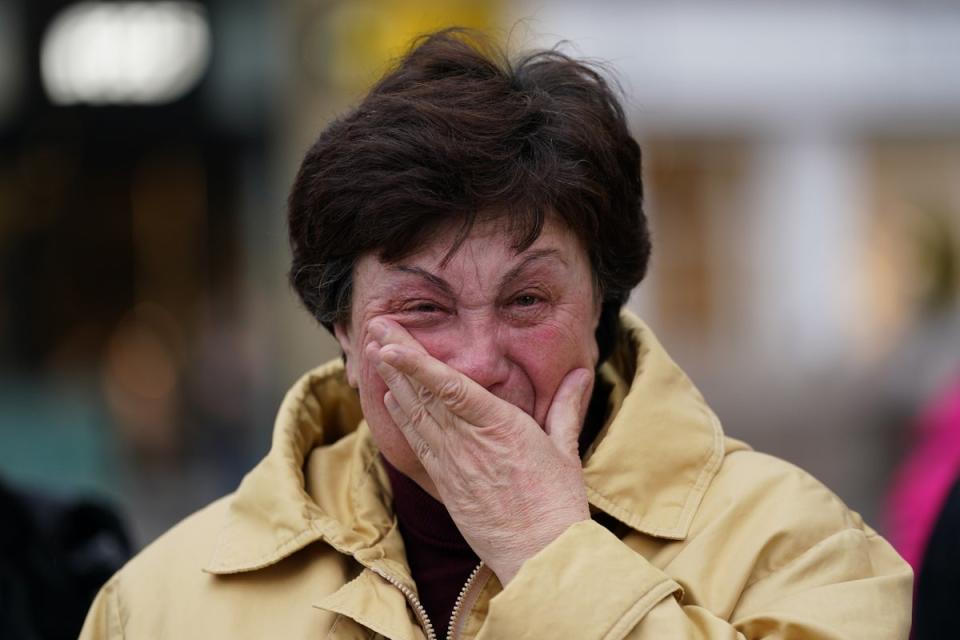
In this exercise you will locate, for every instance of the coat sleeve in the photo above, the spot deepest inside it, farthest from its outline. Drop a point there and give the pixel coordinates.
(589, 584)
(103, 619)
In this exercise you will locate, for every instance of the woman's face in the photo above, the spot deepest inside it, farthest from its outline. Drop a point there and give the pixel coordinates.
(516, 323)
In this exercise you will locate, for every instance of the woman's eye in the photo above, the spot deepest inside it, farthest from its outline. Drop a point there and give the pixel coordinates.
(423, 307)
(526, 300)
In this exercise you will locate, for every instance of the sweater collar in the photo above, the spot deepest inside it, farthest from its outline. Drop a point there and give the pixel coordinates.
(649, 467)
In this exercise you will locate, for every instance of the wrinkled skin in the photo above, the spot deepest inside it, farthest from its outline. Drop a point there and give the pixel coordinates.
(474, 376)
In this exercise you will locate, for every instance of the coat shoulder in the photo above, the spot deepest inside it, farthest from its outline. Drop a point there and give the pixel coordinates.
(169, 571)
(751, 481)
(185, 547)
(771, 530)
(770, 513)
(174, 562)
(167, 591)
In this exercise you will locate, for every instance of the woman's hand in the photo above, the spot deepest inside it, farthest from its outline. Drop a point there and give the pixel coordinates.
(510, 486)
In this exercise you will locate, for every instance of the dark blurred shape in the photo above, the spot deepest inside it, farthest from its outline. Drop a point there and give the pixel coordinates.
(55, 553)
(938, 586)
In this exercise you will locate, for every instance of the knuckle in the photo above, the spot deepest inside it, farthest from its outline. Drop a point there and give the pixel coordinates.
(404, 423)
(419, 415)
(388, 374)
(422, 449)
(453, 393)
(424, 395)
(414, 366)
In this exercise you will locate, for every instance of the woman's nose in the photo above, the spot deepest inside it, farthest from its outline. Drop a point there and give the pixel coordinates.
(479, 354)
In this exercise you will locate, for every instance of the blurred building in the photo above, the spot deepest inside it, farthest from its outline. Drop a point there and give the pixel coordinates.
(802, 164)
(134, 159)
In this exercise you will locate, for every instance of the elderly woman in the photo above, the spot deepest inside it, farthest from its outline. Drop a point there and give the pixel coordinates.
(501, 452)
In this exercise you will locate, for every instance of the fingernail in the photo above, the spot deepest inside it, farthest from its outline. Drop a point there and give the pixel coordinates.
(390, 402)
(585, 380)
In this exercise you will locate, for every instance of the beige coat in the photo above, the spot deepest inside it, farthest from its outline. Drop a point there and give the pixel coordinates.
(701, 538)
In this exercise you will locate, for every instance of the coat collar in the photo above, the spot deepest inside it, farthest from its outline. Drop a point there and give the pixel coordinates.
(661, 447)
(272, 514)
(649, 468)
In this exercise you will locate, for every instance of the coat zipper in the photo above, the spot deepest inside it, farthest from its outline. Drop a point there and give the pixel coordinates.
(414, 601)
(418, 609)
(453, 629)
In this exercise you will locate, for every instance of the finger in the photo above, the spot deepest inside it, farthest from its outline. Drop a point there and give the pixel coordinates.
(406, 396)
(418, 444)
(568, 410)
(454, 392)
(410, 396)
(389, 332)
(456, 396)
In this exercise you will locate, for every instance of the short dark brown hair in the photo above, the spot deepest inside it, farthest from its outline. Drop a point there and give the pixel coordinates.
(456, 131)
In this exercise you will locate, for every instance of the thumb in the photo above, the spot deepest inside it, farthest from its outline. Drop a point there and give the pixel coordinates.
(565, 417)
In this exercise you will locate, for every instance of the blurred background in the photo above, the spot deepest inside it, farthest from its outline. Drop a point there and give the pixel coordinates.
(802, 163)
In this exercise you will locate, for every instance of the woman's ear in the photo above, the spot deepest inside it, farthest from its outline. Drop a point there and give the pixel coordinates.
(350, 353)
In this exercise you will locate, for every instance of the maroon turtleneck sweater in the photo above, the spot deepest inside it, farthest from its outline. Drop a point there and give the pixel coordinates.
(440, 559)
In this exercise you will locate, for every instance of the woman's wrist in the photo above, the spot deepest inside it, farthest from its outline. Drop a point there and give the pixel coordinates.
(507, 560)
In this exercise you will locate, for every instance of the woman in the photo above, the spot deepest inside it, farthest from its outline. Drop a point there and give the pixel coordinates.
(500, 453)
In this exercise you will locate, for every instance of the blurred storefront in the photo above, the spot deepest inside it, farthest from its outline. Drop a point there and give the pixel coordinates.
(130, 157)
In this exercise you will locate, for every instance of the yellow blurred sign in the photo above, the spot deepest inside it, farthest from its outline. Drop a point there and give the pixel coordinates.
(362, 38)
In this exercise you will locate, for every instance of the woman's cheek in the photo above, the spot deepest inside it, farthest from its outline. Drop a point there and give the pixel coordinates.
(545, 354)
(550, 341)
(439, 343)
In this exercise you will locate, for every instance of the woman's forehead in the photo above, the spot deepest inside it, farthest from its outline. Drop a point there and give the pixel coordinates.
(488, 240)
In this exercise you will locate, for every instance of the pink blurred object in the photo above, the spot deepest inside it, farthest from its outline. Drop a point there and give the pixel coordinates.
(923, 480)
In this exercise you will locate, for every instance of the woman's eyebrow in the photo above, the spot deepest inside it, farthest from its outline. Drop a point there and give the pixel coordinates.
(434, 280)
(444, 286)
(533, 256)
